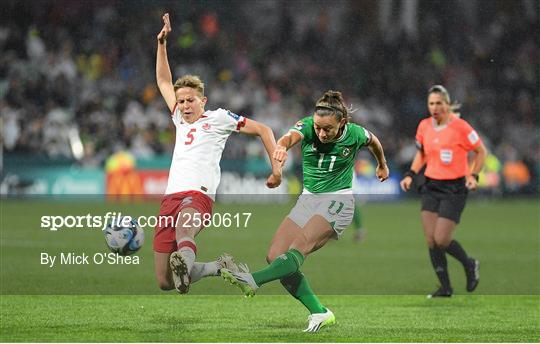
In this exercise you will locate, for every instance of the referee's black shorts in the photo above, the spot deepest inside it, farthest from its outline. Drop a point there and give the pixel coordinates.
(445, 197)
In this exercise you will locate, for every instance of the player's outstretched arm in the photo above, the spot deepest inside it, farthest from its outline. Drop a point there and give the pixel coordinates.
(284, 144)
(269, 141)
(163, 72)
(376, 149)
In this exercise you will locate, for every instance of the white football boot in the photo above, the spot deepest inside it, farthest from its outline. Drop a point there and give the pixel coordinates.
(226, 261)
(243, 280)
(316, 321)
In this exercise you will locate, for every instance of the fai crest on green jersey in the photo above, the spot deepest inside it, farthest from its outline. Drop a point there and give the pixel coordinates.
(346, 151)
(299, 125)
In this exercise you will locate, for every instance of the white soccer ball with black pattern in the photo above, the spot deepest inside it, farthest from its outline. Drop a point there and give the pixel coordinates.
(124, 236)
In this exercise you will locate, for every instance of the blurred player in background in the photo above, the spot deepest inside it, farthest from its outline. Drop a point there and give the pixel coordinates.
(363, 168)
(194, 174)
(360, 232)
(443, 141)
(325, 207)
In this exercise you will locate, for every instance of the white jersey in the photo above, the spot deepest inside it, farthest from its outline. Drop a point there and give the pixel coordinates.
(198, 149)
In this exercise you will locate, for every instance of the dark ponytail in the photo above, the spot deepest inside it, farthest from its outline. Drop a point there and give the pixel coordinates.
(332, 103)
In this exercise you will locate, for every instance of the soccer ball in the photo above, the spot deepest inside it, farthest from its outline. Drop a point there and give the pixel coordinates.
(124, 236)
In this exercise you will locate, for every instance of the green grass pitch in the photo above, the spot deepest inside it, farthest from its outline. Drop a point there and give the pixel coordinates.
(376, 289)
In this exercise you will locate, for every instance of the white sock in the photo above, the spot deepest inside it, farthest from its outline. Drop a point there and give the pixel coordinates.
(201, 270)
(188, 250)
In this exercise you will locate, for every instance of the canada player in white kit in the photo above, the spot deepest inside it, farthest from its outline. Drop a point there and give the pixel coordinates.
(198, 149)
(195, 173)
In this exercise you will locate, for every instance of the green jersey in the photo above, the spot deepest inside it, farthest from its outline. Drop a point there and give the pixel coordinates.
(328, 167)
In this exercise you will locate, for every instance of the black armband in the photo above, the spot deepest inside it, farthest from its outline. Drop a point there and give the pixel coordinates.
(410, 173)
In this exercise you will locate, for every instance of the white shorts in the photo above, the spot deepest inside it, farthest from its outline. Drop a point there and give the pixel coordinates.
(336, 208)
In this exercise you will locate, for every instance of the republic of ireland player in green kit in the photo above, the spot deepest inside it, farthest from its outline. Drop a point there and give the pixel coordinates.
(326, 206)
(328, 167)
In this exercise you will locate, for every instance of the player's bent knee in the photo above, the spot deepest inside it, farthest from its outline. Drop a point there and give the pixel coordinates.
(442, 243)
(189, 231)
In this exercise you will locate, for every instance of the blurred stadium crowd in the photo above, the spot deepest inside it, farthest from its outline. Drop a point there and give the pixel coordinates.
(77, 78)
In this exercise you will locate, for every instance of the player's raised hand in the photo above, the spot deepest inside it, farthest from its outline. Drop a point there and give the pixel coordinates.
(162, 36)
(382, 172)
(280, 155)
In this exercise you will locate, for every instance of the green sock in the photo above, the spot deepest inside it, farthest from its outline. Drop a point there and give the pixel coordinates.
(357, 218)
(298, 286)
(282, 266)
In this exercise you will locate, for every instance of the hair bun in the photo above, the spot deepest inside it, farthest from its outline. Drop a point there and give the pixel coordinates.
(332, 102)
(333, 94)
